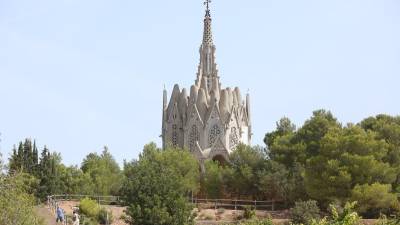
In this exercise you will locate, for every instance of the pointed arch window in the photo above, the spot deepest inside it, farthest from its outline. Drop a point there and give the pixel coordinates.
(233, 138)
(194, 137)
(214, 133)
(174, 135)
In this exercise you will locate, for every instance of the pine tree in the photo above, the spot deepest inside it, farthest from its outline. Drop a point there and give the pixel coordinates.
(35, 159)
(13, 164)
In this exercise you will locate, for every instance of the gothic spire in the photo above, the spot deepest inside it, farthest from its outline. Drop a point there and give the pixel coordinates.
(208, 67)
(207, 35)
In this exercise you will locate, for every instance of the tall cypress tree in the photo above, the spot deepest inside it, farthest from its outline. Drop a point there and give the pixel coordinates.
(35, 159)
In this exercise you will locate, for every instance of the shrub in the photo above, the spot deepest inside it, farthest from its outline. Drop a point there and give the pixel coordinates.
(105, 216)
(346, 217)
(220, 211)
(258, 222)
(249, 212)
(305, 212)
(88, 221)
(89, 207)
(374, 200)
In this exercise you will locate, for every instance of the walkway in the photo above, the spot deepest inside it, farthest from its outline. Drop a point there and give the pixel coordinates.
(44, 212)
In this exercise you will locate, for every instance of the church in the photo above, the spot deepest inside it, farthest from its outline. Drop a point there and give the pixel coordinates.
(208, 120)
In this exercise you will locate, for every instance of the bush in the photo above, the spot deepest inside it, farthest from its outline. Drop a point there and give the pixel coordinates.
(89, 207)
(374, 200)
(249, 212)
(346, 217)
(258, 222)
(305, 212)
(105, 216)
(88, 221)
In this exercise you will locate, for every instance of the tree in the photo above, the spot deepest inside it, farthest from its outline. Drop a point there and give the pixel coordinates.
(16, 203)
(387, 128)
(1, 164)
(273, 182)
(245, 162)
(347, 157)
(104, 172)
(157, 187)
(214, 180)
(25, 159)
(48, 176)
(375, 199)
(283, 127)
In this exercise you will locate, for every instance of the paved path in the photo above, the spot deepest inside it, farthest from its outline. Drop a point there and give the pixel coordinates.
(49, 218)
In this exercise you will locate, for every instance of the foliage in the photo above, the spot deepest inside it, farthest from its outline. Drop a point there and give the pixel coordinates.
(25, 159)
(384, 220)
(1, 164)
(214, 179)
(105, 216)
(257, 222)
(16, 204)
(304, 212)
(348, 156)
(104, 171)
(346, 217)
(249, 212)
(88, 221)
(157, 187)
(89, 207)
(245, 162)
(374, 200)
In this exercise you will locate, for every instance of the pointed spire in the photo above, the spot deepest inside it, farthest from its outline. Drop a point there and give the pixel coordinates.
(207, 35)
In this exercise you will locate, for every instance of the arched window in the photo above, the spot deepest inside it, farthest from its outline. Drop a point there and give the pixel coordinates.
(194, 137)
(215, 131)
(174, 135)
(233, 138)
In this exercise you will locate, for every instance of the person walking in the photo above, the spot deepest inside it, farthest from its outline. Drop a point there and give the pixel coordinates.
(75, 218)
(60, 214)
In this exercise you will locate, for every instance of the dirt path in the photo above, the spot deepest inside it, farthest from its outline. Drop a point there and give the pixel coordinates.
(44, 212)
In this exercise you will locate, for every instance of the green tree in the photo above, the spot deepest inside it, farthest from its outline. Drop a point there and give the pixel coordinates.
(245, 162)
(375, 199)
(16, 204)
(387, 128)
(347, 157)
(49, 179)
(214, 180)
(104, 171)
(158, 185)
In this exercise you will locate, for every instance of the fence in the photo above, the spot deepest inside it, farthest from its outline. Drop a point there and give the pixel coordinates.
(101, 200)
(237, 204)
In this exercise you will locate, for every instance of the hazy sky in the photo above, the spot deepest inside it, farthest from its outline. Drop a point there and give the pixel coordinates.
(79, 74)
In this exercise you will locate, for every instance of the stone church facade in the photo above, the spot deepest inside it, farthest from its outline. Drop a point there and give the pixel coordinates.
(208, 120)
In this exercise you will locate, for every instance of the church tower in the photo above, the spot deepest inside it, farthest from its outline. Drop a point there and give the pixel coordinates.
(208, 120)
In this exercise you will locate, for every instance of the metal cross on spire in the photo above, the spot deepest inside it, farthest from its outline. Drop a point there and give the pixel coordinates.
(207, 3)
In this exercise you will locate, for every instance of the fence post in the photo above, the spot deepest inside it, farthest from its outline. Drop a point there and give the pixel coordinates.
(255, 204)
(273, 205)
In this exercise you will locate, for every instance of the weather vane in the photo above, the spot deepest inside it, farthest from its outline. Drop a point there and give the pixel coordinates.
(207, 3)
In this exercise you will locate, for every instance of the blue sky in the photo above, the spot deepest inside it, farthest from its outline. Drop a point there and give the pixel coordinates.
(77, 75)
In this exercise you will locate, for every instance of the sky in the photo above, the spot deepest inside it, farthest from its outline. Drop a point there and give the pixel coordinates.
(78, 75)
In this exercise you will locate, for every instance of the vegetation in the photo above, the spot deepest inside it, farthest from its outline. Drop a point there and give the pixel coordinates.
(157, 187)
(16, 202)
(94, 211)
(305, 212)
(99, 174)
(323, 161)
(249, 212)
